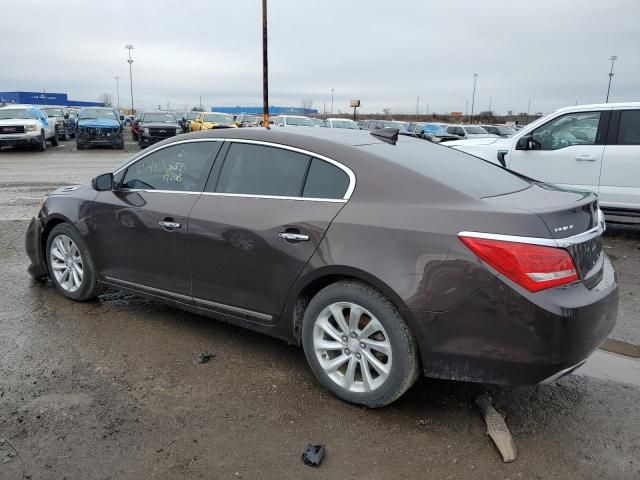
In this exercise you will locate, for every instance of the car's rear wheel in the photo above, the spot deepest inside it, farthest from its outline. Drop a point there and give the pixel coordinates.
(359, 345)
(54, 140)
(70, 264)
(79, 146)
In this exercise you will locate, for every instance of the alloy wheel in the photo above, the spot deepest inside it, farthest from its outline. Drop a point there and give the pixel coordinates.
(66, 263)
(352, 347)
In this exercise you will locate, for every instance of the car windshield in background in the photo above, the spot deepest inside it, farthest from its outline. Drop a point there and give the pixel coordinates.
(159, 117)
(506, 130)
(434, 129)
(93, 113)
(54, 112)
(218, 118)
(475, 130)
(344, 124)
(398, 125)
(22, 114)
(298, 121)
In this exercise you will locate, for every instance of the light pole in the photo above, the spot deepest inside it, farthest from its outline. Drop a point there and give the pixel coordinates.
(613, 59)
(118, 92)
(130, 61)
(528, 108)
(473, 97)
(332, 90)
(417, 108)
(265, 69)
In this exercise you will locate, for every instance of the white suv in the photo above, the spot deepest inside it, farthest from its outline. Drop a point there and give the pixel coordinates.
(293, 121)
(26, 125)
(585, 147)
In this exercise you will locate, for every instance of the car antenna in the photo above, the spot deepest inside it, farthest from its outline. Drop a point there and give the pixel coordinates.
(388, 135)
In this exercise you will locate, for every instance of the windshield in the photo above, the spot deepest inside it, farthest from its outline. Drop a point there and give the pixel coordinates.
(54, 112)
(506, 130)
(299, 121)
(475, 130)
(190, 116)
(433, 128)
(95, 113)
(14, 113)
(398, 125)
(344, 124)
(159, 117)
(218, 118)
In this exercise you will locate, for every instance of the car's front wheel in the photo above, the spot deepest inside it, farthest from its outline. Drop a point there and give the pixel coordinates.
(42, 142)
(359, 345)
(54, 140)
(70, 264)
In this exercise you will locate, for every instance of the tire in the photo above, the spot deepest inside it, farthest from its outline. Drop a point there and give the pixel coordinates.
(54, 140)
(42, 142)
(378, 321)
(70, 253)
(119, 146)
(79, 146)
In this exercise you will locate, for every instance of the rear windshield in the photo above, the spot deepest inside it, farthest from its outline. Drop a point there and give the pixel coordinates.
(458, 170)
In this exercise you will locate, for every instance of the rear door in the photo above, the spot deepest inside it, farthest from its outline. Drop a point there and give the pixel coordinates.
(569, 150)
(263, 214)
(140, 228)
(620, 178)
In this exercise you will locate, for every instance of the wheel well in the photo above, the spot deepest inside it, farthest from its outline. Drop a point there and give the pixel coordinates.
(45, 234)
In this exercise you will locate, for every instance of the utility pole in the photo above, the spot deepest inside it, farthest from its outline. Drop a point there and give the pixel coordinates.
(200, 102)
(332, 90)
(528, 108)
(473, 97)
(130, 61)
(613, 59)
(417, 107)
(490, 99)
(118, 92)
(265, 69)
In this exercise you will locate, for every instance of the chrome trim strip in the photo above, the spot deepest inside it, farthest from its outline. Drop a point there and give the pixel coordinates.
(156, 191)
(562, 373)
(151, 150)
(344, 168)
(230, 308)
(186, 298)
(274, 197)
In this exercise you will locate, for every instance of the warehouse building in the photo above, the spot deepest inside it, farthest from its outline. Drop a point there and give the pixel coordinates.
(272, 110)
(44, 98)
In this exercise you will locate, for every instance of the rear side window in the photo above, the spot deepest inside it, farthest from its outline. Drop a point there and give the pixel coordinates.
(325, 180)
(629, 130)
(259, 170)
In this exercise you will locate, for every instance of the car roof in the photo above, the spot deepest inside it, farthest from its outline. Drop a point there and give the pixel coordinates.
(574, 108)
(348, 119)
(18, 107)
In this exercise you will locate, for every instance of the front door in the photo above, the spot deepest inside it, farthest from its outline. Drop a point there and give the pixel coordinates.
(140, 234)
(568, 151)
(259, 221)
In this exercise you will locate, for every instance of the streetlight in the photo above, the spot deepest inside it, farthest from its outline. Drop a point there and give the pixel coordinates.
(130, 61)
(613, 59)
(332, 90)
(118, 92)
(417, 108)
(473, 97)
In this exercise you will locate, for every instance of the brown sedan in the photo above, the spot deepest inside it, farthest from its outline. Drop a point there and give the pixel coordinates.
(382, 257)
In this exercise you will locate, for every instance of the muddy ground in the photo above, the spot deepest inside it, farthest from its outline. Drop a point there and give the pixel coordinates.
(113, 389)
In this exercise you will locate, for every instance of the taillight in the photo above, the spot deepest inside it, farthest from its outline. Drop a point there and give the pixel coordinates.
(534, 267)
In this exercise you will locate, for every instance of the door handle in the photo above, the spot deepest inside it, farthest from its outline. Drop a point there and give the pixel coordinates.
(585, 158)
(294, 237)
(169, 224)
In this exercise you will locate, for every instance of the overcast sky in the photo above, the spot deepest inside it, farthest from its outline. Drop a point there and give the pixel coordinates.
(384, 53)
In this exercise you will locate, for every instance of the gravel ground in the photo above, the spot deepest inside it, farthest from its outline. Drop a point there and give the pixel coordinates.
(112, 389)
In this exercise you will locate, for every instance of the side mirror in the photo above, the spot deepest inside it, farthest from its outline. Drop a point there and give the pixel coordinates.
(121, 118)
(525, 143)
(103, 183)
(66, 116)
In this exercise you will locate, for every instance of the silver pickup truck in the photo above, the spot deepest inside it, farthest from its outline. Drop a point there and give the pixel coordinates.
(26, 125)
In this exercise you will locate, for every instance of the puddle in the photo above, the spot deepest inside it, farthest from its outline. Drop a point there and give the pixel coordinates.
(611, 366)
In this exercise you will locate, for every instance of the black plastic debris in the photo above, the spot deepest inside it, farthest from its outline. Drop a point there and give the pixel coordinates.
(205, 357)
(313, 455)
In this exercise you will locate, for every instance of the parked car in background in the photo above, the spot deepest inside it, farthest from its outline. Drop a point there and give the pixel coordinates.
(340, 123)
(65, 125)
(469, 131)
(433, 132)
(211, 120)
(185, 121)
(245, 120)
(398, 257)
(362, 124)
(156, 126)
(583, 147)
(500, 130)
(377, 124)
(22, 125)
(99, 126)
(317, 122)
(292, 121)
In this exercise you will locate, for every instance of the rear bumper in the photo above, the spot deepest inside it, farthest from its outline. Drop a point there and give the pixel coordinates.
(507, 335)
(33, 247)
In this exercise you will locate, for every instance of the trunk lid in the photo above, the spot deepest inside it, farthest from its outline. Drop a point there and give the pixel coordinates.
(572, 218)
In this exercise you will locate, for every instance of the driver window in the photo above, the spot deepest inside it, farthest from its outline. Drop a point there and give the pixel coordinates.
(183, 168)
(568, 130)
